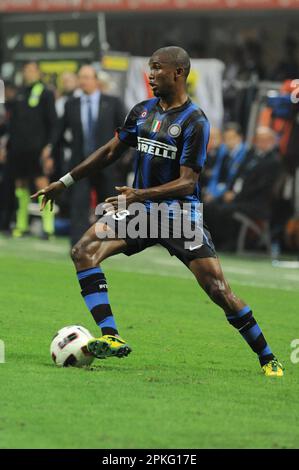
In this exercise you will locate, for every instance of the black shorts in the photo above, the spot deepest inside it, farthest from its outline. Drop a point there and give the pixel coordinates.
(26, 165)
(183, 248)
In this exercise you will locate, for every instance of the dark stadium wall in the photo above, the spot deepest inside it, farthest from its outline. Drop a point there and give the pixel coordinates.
(203, 34)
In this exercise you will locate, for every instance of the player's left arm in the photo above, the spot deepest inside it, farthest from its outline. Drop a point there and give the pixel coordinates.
(178, 188)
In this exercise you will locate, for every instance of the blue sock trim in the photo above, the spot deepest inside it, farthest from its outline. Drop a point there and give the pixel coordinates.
(98, 298)
(88, 272)
(108, 323)
(239, 314)
(244, 311)
(266, 351)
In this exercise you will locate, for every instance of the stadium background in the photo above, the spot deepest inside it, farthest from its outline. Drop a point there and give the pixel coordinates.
(113, 36)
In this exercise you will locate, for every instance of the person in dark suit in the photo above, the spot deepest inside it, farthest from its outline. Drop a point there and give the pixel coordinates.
(230, 157)
(251, 192)
(92, 119)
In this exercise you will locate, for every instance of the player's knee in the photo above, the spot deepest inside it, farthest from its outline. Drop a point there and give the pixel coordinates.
(75, 253)
(78, 253)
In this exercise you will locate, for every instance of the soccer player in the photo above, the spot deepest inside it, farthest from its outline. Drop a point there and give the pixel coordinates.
(170, 134)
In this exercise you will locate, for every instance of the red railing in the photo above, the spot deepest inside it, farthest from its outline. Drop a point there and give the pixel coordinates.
(141, 5)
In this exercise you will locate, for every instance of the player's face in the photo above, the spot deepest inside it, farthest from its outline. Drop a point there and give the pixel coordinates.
(162, 76)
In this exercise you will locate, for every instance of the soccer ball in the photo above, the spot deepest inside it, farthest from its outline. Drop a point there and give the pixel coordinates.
(69, 347)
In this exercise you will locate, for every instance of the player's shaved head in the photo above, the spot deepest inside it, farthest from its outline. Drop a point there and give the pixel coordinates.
(176, 56)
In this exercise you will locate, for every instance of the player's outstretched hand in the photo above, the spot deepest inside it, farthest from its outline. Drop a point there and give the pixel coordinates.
(49, 193)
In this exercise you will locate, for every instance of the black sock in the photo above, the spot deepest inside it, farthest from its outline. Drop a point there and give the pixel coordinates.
(245, 323)
(94, 291)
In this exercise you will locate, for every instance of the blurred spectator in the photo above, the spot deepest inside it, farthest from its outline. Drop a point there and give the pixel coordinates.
(31, 125)
(123, 166)
(228, 163)
(7, 197)
(252, 61)
(215, 151)
(106, 83)
(282, 115)
(5, 190)
(69, 85)
(92, 119)
(243, 71)
(288, 67)
(292, 234)
(62, 153)
(252, 191)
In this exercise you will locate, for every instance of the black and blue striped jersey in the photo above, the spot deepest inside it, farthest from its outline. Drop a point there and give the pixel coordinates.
(165, 141)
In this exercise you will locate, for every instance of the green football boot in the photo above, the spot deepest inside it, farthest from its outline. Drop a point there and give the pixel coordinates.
(108, 346)
(273, 369)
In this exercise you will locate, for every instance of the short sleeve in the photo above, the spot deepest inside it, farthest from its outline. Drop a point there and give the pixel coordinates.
(128, 132)
(196, 138)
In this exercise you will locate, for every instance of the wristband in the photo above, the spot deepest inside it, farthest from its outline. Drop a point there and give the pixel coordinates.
(67, 180)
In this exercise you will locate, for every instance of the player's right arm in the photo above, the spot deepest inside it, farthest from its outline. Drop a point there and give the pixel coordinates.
(126, 137)
(104, 156)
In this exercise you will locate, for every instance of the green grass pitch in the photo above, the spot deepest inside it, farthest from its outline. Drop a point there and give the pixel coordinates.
(191, 381)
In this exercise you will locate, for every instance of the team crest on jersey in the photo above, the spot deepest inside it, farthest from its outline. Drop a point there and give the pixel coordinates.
(174, 130)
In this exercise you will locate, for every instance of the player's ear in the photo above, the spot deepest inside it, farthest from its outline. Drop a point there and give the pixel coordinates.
(180, 72)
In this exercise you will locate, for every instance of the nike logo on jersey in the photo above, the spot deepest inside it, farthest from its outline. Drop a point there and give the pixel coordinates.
(159, 149)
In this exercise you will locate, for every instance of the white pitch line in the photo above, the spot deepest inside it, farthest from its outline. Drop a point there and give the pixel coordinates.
(291, 277)
(263, 286)
(229, 269)
(235, 270)
(259, 285)
(178, 273)
(45, 247)
(50, 248)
